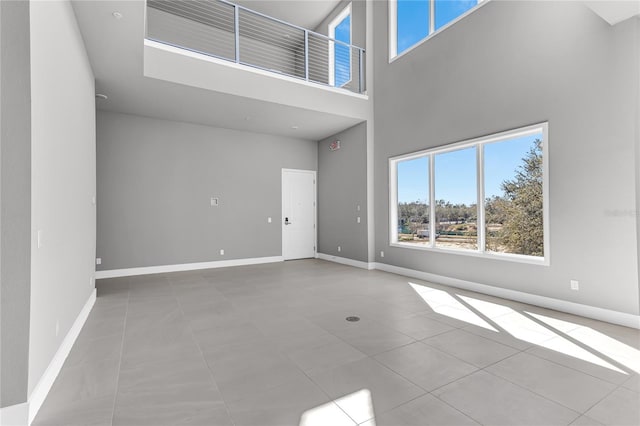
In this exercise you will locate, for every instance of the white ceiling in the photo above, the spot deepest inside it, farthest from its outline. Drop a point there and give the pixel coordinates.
(614, 11)
(115, 50)
(303, 13)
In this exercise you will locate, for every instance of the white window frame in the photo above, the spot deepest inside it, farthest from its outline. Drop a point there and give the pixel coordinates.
(393, 26)
(332, 52)
(480, 142)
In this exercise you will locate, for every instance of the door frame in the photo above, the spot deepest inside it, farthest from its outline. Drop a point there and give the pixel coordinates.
(315, 208)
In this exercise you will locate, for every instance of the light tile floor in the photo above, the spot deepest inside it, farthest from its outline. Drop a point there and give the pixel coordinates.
(269, 345)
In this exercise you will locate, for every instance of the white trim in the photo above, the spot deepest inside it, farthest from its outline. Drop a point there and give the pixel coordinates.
(41, 390)
(480, 210)
(393, 30)
(345, 261)
(332, 53)
(145, 270)
(478, 144)
(315, 208)
(509, 257)
(218, 61)
(14, 415)
(370, 135)
(601, 314)
(393, 200)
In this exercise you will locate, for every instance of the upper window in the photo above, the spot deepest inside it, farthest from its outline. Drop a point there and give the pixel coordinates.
(340, 50)
(411, 21)
(485, 196)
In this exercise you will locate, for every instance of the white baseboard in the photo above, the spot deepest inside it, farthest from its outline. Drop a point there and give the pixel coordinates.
(346, 261)
(41, 390)
(615, 317)
(15, 415)
(145, 270)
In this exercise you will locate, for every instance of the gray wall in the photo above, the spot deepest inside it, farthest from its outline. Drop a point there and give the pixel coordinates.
(15, 201)
(62, 182)
(510, 64)
(342, 187)
(155, 181)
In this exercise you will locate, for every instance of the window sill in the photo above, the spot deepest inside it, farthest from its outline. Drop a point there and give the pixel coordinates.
(518, 258)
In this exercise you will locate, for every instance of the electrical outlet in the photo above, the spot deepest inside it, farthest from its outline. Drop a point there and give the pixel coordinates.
(381, 254)
(339, 249)
(98, 261)
(268, 220)
(575, 285)
(221, 252)
(358, 219)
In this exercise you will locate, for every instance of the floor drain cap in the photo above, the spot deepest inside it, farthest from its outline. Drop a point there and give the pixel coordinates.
(353, 319)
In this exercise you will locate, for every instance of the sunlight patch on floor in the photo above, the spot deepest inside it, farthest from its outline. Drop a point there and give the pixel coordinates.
(358, 405)
(326, 414)
(608, 346)
(549, 336)
(528, 330)
(445, 304)
(600, 342)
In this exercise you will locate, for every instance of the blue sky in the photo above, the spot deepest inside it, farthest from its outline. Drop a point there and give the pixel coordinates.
(413, 18)
(455, 179)
(342, 66)
(413, 22)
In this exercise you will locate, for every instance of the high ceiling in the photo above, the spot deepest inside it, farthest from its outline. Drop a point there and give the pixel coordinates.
(303, 13)
(115, 50)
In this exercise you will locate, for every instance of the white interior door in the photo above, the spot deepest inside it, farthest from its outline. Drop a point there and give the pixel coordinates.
(298, 214)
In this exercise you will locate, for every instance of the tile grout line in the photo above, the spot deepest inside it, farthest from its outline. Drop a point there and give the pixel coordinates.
(124, 330)
(331, 400)
(517, 351)
(195, 341)
(602, 399)
(529, 390)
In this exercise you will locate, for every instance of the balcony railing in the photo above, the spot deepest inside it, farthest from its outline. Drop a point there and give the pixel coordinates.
(232, 32)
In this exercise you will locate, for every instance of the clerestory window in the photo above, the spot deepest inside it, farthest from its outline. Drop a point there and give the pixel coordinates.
(340, 50)
(412, 21)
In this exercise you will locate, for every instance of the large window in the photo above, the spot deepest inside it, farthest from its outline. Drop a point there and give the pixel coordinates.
(411, 21)
(486, 197)
(340, 53)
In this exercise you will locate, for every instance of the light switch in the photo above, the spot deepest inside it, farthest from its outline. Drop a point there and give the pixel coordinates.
(358, 219)
(215, 202)
(268, 220)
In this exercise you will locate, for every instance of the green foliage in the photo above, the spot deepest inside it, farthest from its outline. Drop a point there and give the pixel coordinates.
(495, 210)
(522, 231)
(413, 216)
(454, 213)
